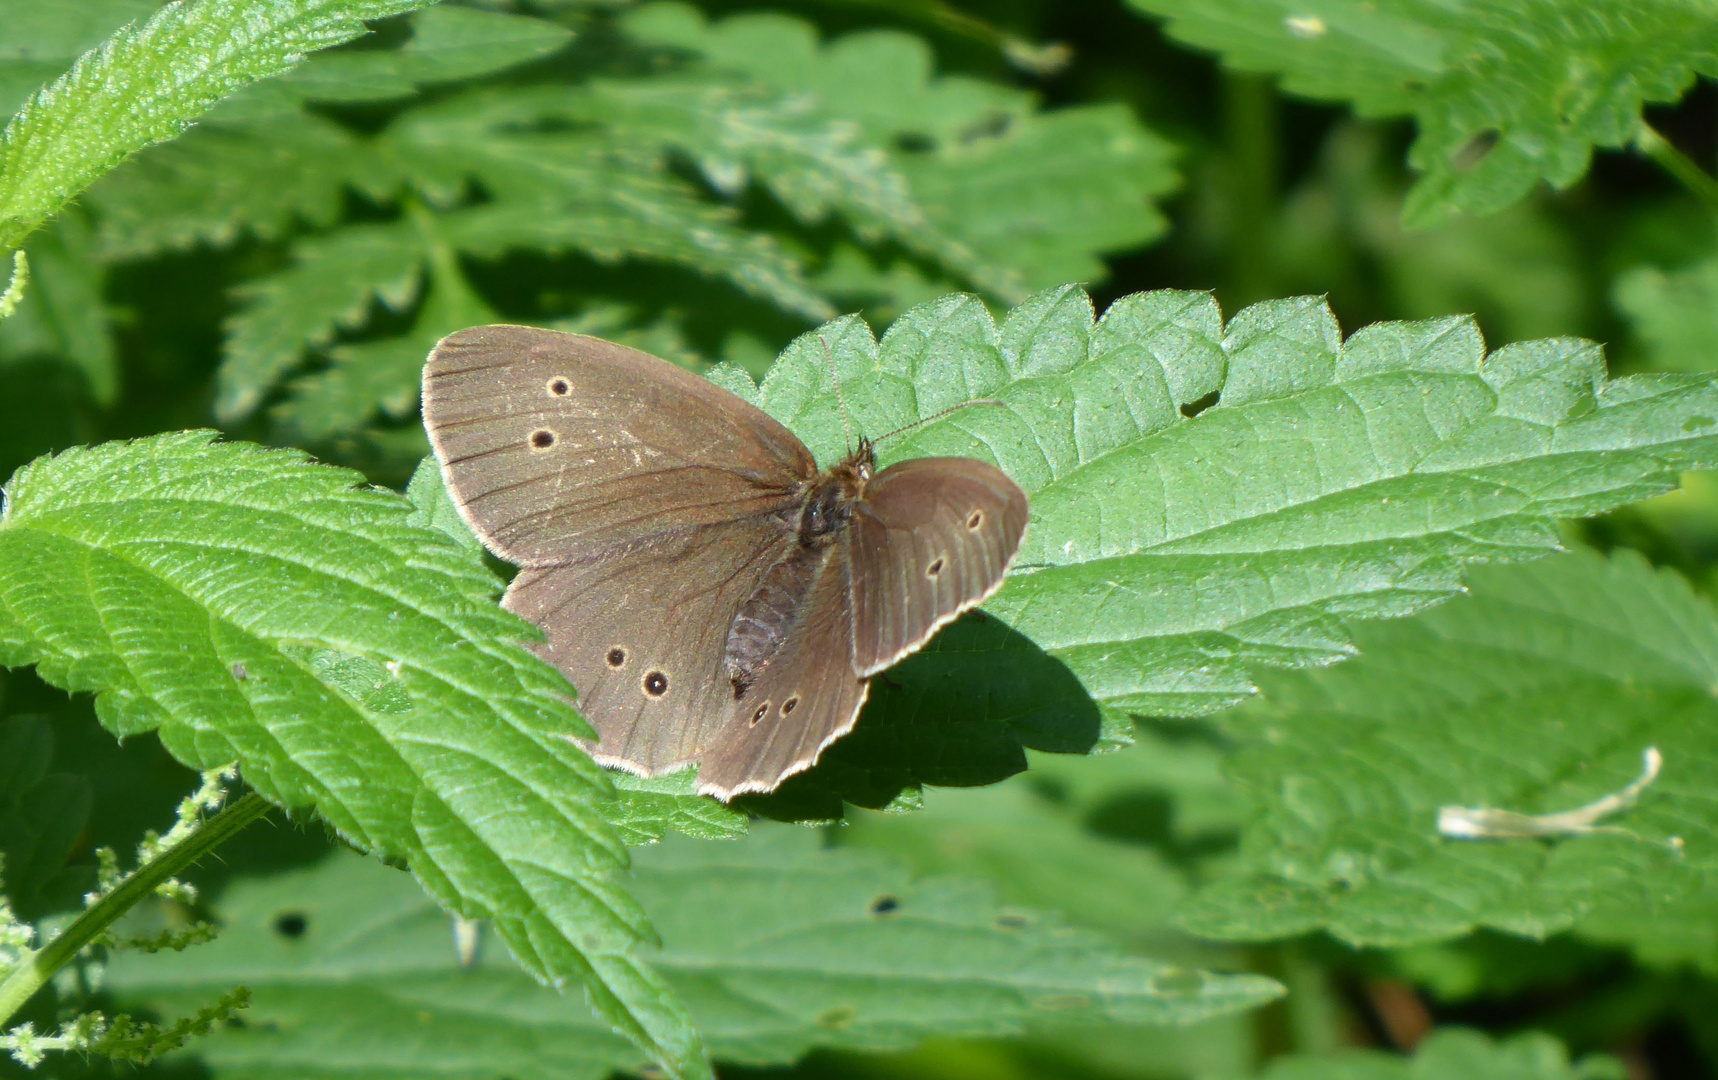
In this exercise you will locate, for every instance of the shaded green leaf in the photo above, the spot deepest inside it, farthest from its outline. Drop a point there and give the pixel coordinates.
(62, 315)
(147, 82)
(331, 284)
(1505, 93)
(776, 944)
(249, 606)
(1536, 693)
(1674, 314)
(220, 181)
(1030, 197)
(1455, 1054)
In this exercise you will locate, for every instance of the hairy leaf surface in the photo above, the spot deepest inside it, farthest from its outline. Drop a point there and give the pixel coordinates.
(1168, 555)
(249, 606)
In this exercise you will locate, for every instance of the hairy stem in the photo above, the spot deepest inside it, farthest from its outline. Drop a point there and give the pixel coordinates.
(22, 984)
(1658, 149)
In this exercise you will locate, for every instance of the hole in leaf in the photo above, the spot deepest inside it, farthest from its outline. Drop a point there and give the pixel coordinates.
(1194, 408)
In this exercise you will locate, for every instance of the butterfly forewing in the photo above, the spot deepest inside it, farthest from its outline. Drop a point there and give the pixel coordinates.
(932, 537)
(653, 504)
(552, 443)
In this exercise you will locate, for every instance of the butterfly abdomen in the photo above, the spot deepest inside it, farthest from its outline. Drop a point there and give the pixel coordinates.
(764, 621)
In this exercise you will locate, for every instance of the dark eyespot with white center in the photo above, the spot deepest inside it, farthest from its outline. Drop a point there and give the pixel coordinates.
(758, 714)
(934, 569)
(656, 684)
(616, 657)
(559, 387)
(542, 439)
(975, 520)
(789, 705)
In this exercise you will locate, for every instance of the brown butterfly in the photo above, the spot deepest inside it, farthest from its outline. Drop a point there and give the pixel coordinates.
(714, 597)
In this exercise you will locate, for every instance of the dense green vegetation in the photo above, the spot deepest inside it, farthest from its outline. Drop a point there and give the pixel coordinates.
(1357, 361)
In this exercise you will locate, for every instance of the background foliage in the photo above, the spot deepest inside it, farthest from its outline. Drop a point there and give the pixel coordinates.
(1290, 585)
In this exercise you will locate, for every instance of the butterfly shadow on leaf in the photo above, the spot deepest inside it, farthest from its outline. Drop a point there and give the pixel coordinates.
(960, 713)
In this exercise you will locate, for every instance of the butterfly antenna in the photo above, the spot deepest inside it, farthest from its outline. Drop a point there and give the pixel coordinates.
(840, 398)
(939, 416)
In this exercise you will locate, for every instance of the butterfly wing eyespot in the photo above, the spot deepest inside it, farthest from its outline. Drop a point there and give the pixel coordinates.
(655, 684)
(542, 439)
(975, 520)
(616, 657)
(789, 705)
(559, 387)
(759, 713)
(934, 568)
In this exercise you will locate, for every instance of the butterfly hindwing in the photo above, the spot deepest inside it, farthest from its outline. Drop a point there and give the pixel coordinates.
(931, 538)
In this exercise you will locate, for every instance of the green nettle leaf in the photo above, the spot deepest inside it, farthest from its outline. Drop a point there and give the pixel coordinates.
(220, 181)
(147, 82)
(1035, 196)
(246, 605)
(1455, 1054)
(776, 943)
(1537, 693)
(1168, 555)
(332, 283)
(1506, 93)
(1674, 314)
(42, 817)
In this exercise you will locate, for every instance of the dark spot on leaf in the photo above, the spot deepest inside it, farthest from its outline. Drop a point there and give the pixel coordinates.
(934, 569)
(1697, 422)
(560, 387)
(914, 142)
(884, 904)
(240, 673)
(1471, 153)
(656, 684)
(1194, 408)
(789, 705)
(1178, 981)
(542, 439)
(291, 924)
(1010, 921)
(992, 126)
(975, 520)
(837, 1018)
(616, 657)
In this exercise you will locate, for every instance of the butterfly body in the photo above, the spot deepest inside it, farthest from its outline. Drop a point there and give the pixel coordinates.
(714, 597)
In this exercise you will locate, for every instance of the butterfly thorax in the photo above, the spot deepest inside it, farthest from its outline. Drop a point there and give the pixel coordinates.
(763, 623)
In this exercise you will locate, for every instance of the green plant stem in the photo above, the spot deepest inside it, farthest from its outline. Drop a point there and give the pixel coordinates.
(1250, 120)
(22, 984)
(1658, 149)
